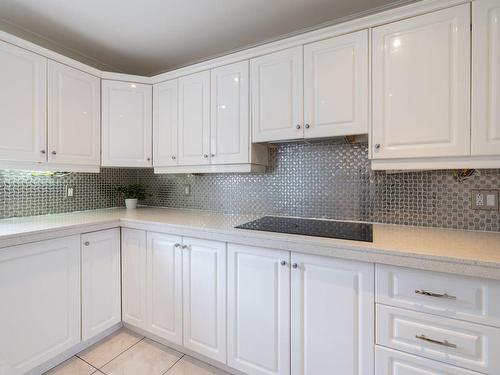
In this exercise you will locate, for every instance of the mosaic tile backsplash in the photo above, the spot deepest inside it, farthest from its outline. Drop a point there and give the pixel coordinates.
(329, 179)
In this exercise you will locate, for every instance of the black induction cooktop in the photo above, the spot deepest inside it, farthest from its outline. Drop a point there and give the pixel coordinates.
(312, 227)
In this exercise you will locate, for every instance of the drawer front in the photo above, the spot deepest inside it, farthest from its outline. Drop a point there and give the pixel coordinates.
(463, 344)
(393, 362)
(466, 298)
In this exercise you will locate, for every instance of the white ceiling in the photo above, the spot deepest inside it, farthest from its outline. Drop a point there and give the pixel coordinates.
(151, 36)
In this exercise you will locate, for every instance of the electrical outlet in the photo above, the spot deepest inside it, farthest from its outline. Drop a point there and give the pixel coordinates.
(70, 192)
(485, 200)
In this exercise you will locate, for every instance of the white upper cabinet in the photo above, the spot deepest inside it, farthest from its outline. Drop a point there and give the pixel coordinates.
(194, 119)
(486, 77)
(277, 96)
(126, 124)
(258, 310)
(204, 297)
(336, 86)
(333, 317)
(229, 129)
(421, 86)
(164, 286)
(165, 123)
(101, 287)
(74, 116)
(23, 105)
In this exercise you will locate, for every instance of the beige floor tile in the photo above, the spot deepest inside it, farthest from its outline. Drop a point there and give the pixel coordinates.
(190, 366)
(109, 348)
(73, 366)
(145, 358)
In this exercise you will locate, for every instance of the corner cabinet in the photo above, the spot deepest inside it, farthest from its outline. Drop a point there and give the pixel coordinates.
(126, 124)
(486, 77)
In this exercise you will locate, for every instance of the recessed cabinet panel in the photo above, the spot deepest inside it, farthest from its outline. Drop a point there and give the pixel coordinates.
(134, 277)
(194, 119)
(165, 123)
(126, 124)
(40, 299)
(101, 294)
(336, 86)
(23, 105)
(164, 286)
(230, 133)
(258, 310)
(421, 86)
(74, 116)
(204, 296)
(486, 77)
(277, 96)
(332, 316)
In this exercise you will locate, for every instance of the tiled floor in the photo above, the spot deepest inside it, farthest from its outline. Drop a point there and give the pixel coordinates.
(126, 353)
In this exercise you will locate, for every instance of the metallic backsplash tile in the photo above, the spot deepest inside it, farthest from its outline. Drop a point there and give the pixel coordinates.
(328, 179)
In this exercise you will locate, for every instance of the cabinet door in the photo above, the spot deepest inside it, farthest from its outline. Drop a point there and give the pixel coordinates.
(74, 116)
(134, 277)
(23, 104)
(101, 287)
(258, 310)
(229, 129)
(336, 86)
(204, 296)
(277, 96)
(421, 86)
(165, 123)
(194, 119)
(486, 77)
(164, 286)
(332, 316)
(126, 124)
(40, 294)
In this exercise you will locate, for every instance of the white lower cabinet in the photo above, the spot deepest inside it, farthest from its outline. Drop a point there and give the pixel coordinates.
(204, 297)
(332, 316)
(40, 302)
(393, 362)
(258, 310)
(101, 287)
(164, 286)
(134, 277)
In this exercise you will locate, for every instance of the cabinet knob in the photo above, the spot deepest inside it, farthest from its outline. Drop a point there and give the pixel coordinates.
(205, 156)
(295, 265)
(54, 153)
(297, 126)
(212, 155)
(86, 243)
(177, 245)
(185, 247)
(283, 263)
(173, 157)
(148, 159)
(308, 126)
(42, 152)
(377, 146)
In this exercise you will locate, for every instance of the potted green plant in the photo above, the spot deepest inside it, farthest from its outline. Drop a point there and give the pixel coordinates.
(132, 193)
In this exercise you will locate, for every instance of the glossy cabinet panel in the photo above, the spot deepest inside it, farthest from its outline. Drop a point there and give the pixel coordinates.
(165, 123)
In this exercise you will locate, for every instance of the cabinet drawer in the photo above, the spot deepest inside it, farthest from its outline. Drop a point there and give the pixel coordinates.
(472, 299)
(393, 362)
(459, 343)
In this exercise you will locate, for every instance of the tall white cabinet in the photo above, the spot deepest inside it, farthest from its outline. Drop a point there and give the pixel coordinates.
(165, 124)
(74, 116)
(332, 316)
(101, 286)
(23, 129)
(127, 124)
(421, 86)
(486, 77)
(40, 294)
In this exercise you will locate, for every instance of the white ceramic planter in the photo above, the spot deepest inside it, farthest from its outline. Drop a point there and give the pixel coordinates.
(131, 203)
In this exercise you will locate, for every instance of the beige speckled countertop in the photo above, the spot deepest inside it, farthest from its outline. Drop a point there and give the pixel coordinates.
(455, 251)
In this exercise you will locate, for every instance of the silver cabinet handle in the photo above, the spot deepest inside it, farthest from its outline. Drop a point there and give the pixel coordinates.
(212, 155)
(437, 342)
(295, 265)
(185, 247)
(205, 156)
(148, 159)
(297, 126)
(283, 263)
(177, 245)
(86, 243)
(173, 157)
(42, 152)
(436, 295)
(308, 126)
(377, 146)
(53, 152)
